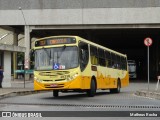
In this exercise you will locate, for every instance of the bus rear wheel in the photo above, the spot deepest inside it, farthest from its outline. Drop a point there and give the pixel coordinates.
(92, 91)
(55, 93)
(118, 89)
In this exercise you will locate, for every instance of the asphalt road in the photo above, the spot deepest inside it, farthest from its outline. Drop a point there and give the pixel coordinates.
(103, 101)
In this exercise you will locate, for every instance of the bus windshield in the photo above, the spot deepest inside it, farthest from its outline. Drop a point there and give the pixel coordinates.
(57, 58)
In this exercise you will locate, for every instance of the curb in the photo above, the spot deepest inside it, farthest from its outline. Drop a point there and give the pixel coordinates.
(19, 93)
(150, 94)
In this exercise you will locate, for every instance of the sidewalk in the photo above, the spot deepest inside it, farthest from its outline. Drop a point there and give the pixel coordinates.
(153, 92)
(150, 94)
(18, 88)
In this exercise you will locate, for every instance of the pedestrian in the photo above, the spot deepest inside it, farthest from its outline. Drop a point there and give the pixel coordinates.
(1, 76)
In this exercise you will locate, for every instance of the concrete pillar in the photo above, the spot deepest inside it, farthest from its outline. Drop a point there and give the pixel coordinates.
(15, 42)
(27, 45)
(7, 69)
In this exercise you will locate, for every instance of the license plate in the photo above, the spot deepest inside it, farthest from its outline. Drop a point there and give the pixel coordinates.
(54, 85)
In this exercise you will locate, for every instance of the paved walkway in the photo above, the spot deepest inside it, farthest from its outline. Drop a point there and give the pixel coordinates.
(18, 88)
(153, 92)
(150, 94)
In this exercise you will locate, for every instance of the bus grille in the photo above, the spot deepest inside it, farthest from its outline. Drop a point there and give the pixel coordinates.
(54, 74)
(48, 80)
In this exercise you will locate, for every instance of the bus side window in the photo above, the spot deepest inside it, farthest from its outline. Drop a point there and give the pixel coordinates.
(118, 62)
(114, 60)
(94, 55)
(101, 57)
(83, 55)
(124, 63)
(108, 59)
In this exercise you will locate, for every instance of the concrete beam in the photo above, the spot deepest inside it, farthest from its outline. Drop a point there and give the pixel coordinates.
(13, 48)
(90, 16)
(75, 4)
(120, 26)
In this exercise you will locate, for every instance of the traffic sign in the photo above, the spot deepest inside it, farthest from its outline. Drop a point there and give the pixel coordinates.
(148, 41)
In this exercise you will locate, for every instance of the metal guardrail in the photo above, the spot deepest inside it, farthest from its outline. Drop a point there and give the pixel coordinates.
(24, 71)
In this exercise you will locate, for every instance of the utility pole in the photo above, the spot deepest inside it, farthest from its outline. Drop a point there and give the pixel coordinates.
(25, 44)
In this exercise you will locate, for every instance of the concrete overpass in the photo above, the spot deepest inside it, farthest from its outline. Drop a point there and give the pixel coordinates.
(118, 24)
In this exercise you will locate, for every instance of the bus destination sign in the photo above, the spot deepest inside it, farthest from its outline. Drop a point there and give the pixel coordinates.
(55, 41)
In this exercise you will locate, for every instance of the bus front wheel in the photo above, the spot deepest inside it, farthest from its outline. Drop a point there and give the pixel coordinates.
(92, 91)
(55, 93)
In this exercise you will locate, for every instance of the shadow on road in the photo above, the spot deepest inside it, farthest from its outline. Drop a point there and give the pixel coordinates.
(70, 95)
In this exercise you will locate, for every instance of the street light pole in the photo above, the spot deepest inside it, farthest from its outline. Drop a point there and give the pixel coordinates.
(23, 15)
(25, 26)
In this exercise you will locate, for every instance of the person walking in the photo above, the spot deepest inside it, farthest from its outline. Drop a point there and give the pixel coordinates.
(1, 76)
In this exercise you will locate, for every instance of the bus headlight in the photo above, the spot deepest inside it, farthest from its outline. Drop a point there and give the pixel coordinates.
(38, 80)
(72, 77)
(75, 75)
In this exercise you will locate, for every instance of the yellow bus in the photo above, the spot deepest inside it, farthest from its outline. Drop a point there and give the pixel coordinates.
(71, 63)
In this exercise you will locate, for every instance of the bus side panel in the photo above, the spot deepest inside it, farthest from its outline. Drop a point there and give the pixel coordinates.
(76, 83)
(125, 80)
(102, 80)
(86, 82)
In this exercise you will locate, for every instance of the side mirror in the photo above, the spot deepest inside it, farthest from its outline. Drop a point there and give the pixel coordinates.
(32, 55)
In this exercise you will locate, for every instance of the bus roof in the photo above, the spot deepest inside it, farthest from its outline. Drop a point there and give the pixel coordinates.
(97, 45)
(84, 40)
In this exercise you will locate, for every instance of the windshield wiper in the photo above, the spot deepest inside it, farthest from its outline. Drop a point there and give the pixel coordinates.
(63, 48)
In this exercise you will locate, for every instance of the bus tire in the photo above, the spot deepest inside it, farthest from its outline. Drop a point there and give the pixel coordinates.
(55, 93)
(92, 91)
(118, 89)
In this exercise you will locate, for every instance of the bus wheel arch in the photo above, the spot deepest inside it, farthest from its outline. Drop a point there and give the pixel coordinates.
(93, 87)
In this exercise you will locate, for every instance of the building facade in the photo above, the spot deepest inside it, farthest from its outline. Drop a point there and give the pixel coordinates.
(8, 51)
(88, 18)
